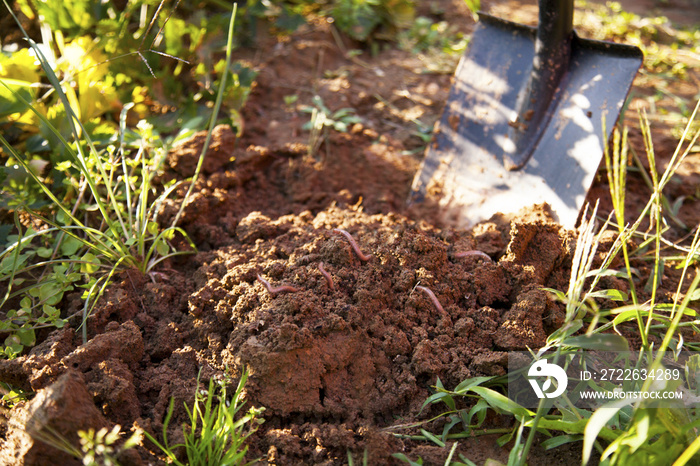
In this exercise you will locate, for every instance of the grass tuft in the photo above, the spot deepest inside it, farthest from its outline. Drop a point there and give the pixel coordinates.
(217, 430)
(112, 224)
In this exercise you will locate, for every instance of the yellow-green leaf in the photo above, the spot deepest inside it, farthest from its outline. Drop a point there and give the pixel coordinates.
(152, 228)
(11, 102)
(50, 293)
(162, 248)
(26, 336)
(91, 263)
(44, 252)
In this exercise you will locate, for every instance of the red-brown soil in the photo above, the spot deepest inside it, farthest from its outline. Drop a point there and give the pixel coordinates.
(334, 363)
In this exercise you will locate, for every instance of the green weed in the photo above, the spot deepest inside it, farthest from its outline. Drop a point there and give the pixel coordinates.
(89, 62)
(98, 448)
(659, 40)
(323, 120)
(285, 16)
(424, 35)
(365, 20)
(217, 430)
(101, 448)
(96, 212)
(11, 396)
(474, 6)
(127, 234)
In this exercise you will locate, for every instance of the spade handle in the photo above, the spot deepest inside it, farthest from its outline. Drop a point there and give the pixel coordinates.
(555, 31)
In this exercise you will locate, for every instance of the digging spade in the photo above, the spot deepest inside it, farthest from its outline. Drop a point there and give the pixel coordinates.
(526, 118)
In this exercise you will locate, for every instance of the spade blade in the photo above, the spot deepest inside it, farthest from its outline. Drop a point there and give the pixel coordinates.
(464, 170)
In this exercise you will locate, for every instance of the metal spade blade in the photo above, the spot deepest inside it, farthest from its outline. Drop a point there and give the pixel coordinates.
(523, 123)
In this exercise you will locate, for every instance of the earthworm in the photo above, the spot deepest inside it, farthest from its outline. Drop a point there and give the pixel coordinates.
(354, 245)
(153, 275)
(474, 253)
(326, 275)
(279, 289)
(432, 297)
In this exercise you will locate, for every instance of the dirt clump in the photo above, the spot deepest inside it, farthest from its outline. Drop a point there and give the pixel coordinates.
(56, 414)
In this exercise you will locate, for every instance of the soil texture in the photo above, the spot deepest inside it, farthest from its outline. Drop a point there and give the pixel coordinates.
(345, 305)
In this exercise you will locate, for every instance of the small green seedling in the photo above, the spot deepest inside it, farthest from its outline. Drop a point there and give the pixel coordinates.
(322, 120)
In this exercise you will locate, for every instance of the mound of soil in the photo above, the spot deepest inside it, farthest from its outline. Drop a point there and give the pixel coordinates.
(348, 344)
(342, 341)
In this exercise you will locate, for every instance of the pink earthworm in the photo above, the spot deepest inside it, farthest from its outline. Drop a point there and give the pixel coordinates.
(355, 247)
(432, 297)
(474, 253)
(279, 289)
(326, 275)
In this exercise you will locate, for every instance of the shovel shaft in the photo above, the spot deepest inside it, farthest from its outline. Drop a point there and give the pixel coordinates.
(555, 27)
(552, 52)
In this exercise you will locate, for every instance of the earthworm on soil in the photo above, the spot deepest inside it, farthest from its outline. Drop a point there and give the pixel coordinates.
(474, 253)
(432, 297)
(326, 275)
(354, 245)
(153, 275)
(279, 289)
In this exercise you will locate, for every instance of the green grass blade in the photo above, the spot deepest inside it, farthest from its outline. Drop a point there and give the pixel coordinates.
(127, 183)
(15, 260)
(597, 422)
(36, 179)
(214, 116)
(89, 304)
(689, 454)
(503, 403)
(109, 248)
